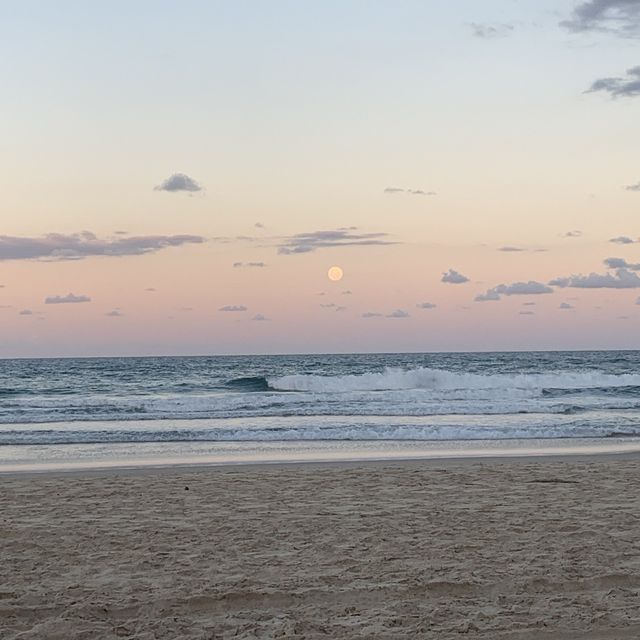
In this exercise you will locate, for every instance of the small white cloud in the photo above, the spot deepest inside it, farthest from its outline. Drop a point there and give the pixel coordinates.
(114, 314)
(426, 305)
(516, 289)
(179, 182)
(453, 277)
(70, 298)
(572, 234)
(566, 305)
(260, 318)
(633, 187)
(621, 279)
(398, 313)
(233, 308)
(371, 314)
(623, 240)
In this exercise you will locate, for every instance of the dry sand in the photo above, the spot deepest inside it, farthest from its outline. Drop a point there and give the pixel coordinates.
(512, 549)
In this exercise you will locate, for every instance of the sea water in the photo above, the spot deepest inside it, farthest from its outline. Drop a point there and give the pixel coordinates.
(242, 408)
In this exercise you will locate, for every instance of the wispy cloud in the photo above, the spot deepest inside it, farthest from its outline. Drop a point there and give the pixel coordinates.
(179, 182)
(26, 312)
(309, 242)
(250, 265)
(426, 305)
(453, 277)
(371, 314)
(260, 318)
(410, 192)
(76, 246)
(398, 313)
(516, 289)
(565, 305)
(620, 279)
(510, 249)
(70, 298)
(633, 187)
(233, 308)
(116, 313)
(624, 240)
(621, 17)
(576, 233)
(490, 30)
(619, 87)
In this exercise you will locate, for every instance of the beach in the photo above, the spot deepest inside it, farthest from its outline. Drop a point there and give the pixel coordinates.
(503, 548)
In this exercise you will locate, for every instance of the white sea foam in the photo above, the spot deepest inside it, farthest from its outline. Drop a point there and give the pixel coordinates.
(442, 380)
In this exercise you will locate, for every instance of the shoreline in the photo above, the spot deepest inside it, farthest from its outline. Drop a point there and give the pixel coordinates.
(326, 464)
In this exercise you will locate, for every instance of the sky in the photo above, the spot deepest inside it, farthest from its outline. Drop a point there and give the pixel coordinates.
(179, 177)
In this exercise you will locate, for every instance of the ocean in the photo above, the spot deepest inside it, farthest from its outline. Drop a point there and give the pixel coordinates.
(243, 408)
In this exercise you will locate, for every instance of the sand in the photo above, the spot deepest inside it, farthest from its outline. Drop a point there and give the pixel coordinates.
(513, 549)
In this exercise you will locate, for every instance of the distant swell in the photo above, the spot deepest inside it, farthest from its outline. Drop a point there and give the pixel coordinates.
(253, 383)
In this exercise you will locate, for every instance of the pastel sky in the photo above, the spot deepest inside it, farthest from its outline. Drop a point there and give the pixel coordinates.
(178, 177)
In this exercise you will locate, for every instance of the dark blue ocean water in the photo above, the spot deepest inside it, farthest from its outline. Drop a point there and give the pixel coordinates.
(448, 396)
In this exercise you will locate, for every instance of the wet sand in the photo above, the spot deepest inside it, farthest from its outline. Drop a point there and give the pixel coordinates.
(526, 548)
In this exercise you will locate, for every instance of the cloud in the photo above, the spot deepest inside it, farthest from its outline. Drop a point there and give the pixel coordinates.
(623, 240)
(453, 277)
(254, 265)
(516, 289)
(410, 192)
(330, 305)
(371, 314)
(114, 314)
(621, 17)
(633, 187)
(70, 298)
(398, 313)
(510, 249)
(151, 289)
(346, 293)
(309, 242)
(258, 225)
(26, 312)
(621, 279)
(526, 313)
(621, 263)
(619, 87)
(565, 305)
(233, 307)
(528, 304)
(486, 30)
(638, 301)
(341, 308)
(426, 305)
(76, 246)
(260, 318)
(572, 234)
(178, 182)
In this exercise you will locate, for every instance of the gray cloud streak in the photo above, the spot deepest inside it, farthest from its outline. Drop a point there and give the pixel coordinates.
(621, 17)
(76, 246)
(309, 242)
(619, 87)
(70, 298)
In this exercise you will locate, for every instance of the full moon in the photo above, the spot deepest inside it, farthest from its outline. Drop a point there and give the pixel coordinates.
(335, 274)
